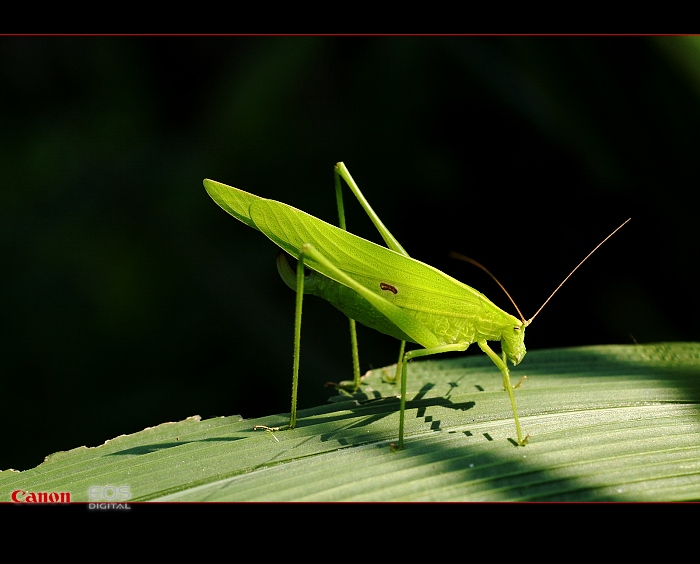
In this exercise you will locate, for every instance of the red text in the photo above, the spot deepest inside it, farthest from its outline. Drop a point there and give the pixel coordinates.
(20, 496)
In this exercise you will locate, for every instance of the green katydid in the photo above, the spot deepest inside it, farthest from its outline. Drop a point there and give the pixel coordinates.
(382, 288)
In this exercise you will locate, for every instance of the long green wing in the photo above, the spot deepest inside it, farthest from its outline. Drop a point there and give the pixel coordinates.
(418, 286)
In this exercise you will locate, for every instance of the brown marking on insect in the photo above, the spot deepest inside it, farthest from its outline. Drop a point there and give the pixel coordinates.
(385, 286)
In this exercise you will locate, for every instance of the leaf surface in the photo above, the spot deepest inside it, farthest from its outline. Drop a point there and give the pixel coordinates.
(608, 423)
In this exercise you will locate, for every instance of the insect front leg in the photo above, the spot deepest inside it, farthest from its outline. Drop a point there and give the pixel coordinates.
(503, 367)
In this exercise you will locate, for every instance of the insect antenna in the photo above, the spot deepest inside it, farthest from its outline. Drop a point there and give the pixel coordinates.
(482, 267)
(575, 269)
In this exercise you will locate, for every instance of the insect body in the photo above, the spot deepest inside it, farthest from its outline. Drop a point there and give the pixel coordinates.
(382, 288)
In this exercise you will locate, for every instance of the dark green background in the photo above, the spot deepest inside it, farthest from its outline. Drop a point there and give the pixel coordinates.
(129, 298)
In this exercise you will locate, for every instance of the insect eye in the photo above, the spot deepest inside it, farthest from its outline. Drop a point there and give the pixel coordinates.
(516, 328)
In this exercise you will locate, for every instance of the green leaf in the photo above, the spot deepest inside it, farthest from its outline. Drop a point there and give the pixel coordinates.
(608, 423)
